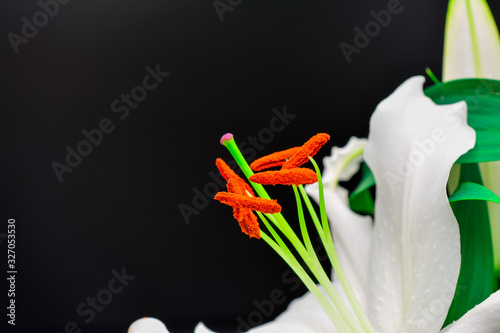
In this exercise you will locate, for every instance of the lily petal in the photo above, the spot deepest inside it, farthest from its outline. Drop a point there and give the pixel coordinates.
(481, 319)
(343, 162)
(303, 315)
(472, 44)
(147, 325)
(415, 256)
(201, 328)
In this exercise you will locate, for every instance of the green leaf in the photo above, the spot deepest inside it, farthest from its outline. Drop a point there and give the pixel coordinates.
(483, 113)
(473, 191)
(361, 199)
(476, 279)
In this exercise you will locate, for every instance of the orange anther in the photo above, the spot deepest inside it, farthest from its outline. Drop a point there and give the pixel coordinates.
(310, 148)
(240, 195)
(243, 205)
(273, 160)
(228, 173)
(294, 176)
(233, 186)
(248, 222)
(244, 201)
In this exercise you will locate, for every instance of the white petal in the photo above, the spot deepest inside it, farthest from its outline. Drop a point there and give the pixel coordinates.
(304, 315)
(415, 256)
(343, 162)
(461, 27)
(201, 328)
(147, 325)
(484, 318)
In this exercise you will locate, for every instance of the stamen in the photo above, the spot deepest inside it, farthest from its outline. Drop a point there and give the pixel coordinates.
(268, 206)
(310, 148)
(294, 176)
(237, 197)
(248, 222)
(233, 186)
(339, 313)
(273, 160)
(228, 173)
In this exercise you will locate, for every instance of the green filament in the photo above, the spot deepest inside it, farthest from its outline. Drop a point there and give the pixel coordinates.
(332, 254)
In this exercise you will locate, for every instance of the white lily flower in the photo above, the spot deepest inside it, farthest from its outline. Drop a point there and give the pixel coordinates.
(404, 269)
(472, 50)
(147, 325)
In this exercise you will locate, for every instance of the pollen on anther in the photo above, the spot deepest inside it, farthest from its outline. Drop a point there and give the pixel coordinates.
(233, 186)
(310, 148)
(273, 160)
(248, 222)
(244, 201)
(294, 176)
(228, 173)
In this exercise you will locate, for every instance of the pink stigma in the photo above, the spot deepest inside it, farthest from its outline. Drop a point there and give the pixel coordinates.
(226, 137)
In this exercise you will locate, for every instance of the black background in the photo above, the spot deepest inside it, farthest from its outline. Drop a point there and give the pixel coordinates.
(120, 206)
